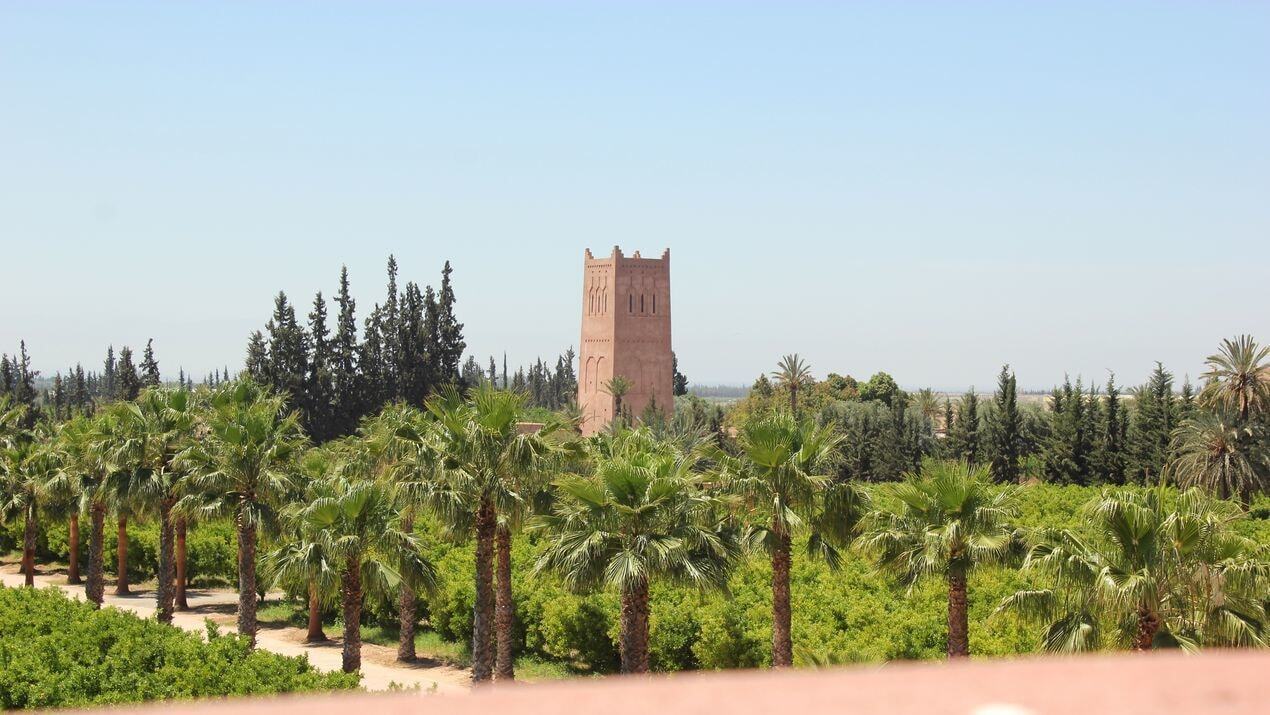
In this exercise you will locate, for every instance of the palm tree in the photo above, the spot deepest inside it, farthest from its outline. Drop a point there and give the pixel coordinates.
(243, 468)
(1238, 378)
(777, 476)
(301, 563)
(643, 515)
(86, 444)
(1161, 576)
(158, 425)
(945, 524)
(358, 528)
(485, 459)
(399, 440)
(792, 372)
(1220, 453)
(618, 387)
(28, 468)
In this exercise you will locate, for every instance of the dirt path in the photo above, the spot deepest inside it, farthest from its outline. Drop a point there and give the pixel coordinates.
(379, 666)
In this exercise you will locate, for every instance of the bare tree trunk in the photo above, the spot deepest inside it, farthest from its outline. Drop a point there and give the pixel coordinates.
(121, 558)
(958, 629)
(352, 661)
(164, 594)
(504, 607)
(28, 548)
(407, 613)
(95, 589)
(782, 640)
(246, 577)
(315, 634)
(634, 645)
(181, 604)
(1148, 626)
(483, 615)
(72, 558)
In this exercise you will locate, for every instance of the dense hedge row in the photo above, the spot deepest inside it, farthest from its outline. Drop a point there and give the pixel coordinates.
(58, 652)
(211, 551)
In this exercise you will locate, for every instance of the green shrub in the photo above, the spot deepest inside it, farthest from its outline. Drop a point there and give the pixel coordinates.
(58, 652)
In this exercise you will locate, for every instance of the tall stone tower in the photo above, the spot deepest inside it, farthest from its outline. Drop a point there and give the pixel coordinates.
(626, 332)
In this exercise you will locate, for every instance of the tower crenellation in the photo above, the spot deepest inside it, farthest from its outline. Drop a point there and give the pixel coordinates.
(626, 332)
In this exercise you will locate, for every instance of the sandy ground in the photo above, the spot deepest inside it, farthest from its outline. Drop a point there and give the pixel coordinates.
(380, 668)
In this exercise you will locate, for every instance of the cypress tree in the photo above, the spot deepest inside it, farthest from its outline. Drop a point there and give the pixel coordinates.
(450, 343)
(390, 337)
(1005, 428)
(257, 364)
(1110, 442)
(126, 377)
(1152, 426)
(110, 386)
(680, 381)
(493, 371)
(149, 366)
(8, 376)
(344, 360)
(413, 347)
(288, 352)
(58, 396)
(318, 389)
(81, 392)
(965, 433)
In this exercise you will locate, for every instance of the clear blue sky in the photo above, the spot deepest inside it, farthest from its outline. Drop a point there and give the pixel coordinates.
(930, 189)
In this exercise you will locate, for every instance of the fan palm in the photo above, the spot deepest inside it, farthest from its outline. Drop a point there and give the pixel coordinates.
(643, 515)
(1238, 378)
(486, 457)
(399, 441)
(618, 387)
(28, 467)
(301, 563)
(86, 444)
(1160, 576)
(777, 476)
(944, 525)
(358, 528)
(242, 468)
(158, 425)
(792, 372)
(1220, 453)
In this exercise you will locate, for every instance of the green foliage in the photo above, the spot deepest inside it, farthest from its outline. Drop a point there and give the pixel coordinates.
(57, 652)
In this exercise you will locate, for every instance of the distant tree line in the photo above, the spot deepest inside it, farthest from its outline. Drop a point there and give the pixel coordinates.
(409, 345)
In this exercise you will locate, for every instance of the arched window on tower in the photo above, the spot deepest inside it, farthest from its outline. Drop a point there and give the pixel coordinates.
(641, 302)
(654, 304)
(631, 300)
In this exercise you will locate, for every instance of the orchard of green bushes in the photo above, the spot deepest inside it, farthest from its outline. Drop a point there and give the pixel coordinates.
(59, 652)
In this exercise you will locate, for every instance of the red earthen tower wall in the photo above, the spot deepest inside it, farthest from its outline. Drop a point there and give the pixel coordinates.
(625, 331)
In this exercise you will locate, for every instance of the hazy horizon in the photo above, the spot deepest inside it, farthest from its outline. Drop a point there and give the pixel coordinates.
(931, 190)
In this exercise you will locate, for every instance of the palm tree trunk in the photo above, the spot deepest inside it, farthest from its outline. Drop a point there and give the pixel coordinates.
(504, 607)
(483, 615)
(958, 630)
(793, 400)
(72, 558)
(121, 558)
(407, 614)
(782, 641)
(28, 548)
(1148, 626)
(164, 594)
(246, 577)
(95, 589)
(352, 661)
(181, 603)
(634, 645)
(315, 634)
